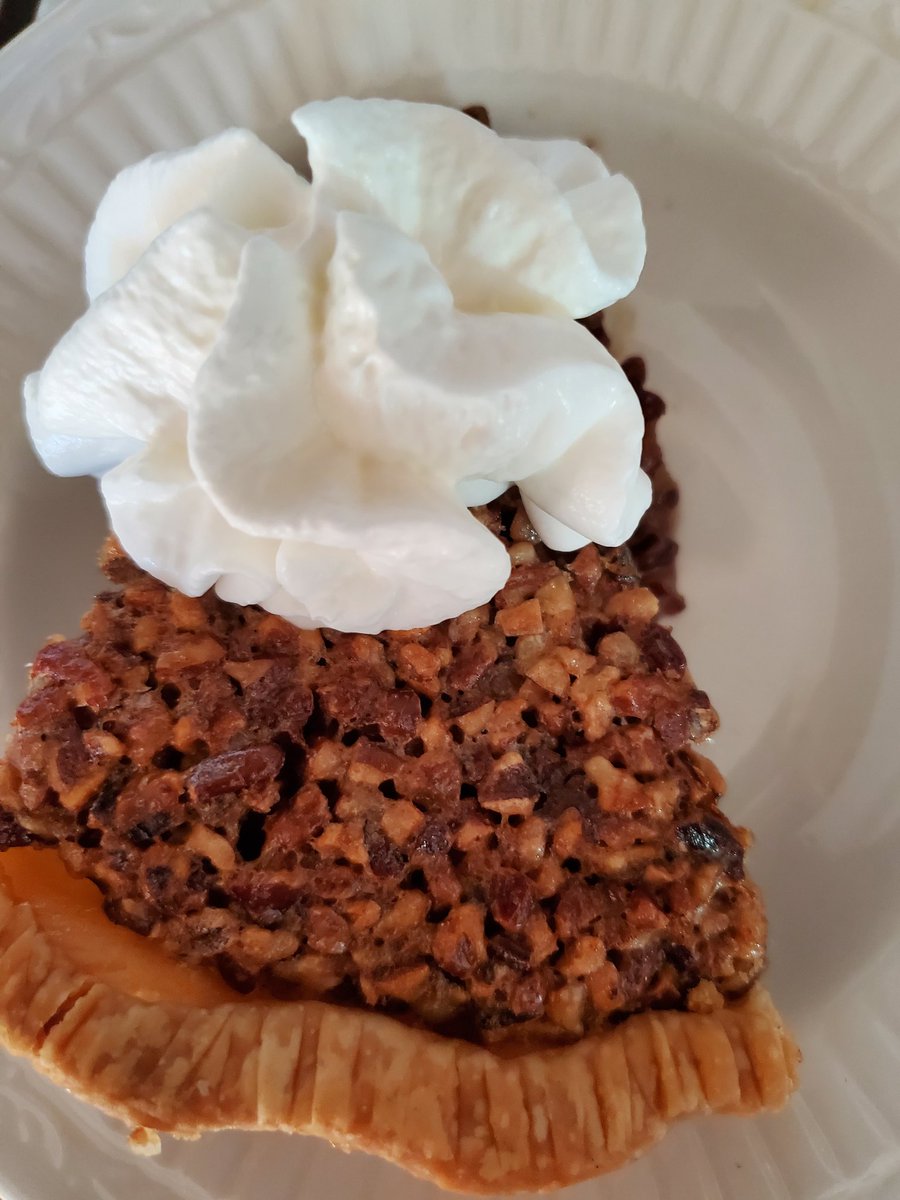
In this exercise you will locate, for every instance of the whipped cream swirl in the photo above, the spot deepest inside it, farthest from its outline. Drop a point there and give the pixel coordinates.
(293, 391)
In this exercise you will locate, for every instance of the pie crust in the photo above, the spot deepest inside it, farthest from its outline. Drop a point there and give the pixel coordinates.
(168, 1047)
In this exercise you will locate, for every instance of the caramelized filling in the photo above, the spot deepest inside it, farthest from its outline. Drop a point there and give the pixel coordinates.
(497, 826)
(493, 824)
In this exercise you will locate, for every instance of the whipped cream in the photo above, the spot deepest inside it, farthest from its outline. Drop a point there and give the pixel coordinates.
(292, 391)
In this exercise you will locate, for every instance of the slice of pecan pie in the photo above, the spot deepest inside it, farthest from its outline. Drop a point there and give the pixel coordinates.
(462, 896)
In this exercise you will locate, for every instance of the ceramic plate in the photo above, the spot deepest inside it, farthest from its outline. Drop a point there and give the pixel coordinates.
(766, 147)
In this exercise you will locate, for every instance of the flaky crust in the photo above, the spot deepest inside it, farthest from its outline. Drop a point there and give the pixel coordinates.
(456, 1113)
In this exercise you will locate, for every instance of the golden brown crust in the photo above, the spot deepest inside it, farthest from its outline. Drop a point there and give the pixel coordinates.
(456, 1113)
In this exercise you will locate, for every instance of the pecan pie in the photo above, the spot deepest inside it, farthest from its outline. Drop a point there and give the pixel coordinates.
(463, 896)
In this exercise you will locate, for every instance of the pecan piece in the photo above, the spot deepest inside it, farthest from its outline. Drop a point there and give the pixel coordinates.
(711, 839)
(234, 771)
(511, 900)
(459, 945)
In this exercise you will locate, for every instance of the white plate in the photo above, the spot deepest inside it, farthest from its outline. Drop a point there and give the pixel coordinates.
(766, 146)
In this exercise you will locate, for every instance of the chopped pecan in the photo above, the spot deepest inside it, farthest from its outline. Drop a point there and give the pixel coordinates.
(711, 838)
(234, 771)
(511, 899)
(459, 944)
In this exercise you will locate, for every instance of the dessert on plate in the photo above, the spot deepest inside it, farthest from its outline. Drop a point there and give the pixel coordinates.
(368, 803)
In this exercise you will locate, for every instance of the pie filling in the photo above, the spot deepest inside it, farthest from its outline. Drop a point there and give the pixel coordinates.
(497, 827)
